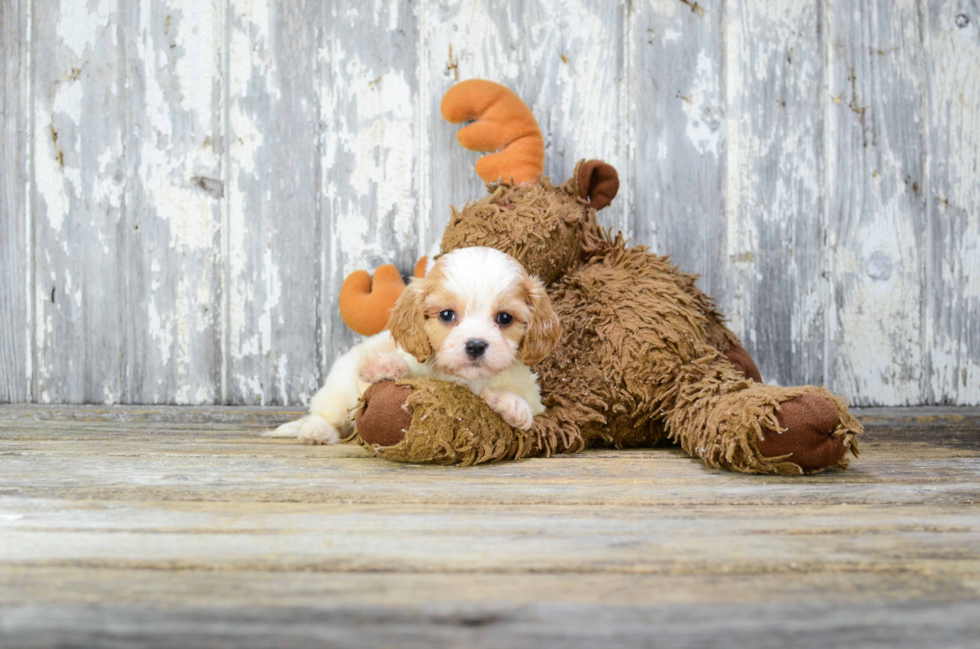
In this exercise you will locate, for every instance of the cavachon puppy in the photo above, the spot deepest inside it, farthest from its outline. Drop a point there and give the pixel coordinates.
(477, 319)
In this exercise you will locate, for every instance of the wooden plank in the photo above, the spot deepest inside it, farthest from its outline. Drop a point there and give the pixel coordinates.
(565, 60)
(157, 455)
(173, 201)
(271, 216)
(776, 102)
(681, 138)
(877, 212)
(952, 282)
(930, 421)
(151, 526)
(325, 591)
(452, 624)
(15, 343)
(370, 149)
(242, 473)
(447, 537)
(82, 243)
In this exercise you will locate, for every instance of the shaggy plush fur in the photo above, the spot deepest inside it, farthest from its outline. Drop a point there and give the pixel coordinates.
(642, 357)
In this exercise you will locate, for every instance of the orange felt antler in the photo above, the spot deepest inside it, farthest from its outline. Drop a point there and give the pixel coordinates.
(366, 304)
(504, 124)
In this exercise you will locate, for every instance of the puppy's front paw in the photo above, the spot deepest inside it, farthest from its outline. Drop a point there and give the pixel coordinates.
(317, 430)
(512, 408)
(382, 366)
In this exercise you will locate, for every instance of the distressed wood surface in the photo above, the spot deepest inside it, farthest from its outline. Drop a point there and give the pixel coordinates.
(370, 124)
(150, 526)
(15, 343)
(952, 281)
(678, 67)
(173, 201)
(186, 184)
(272, 217)
(82, 237)
(876, 220)
(776, 102)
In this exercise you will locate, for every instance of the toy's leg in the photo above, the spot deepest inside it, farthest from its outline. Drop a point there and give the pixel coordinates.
(741, 361)
(742, 425)
(434, 422)
(718, 335)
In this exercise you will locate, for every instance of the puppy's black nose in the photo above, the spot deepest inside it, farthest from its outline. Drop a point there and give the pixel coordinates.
(475, 347)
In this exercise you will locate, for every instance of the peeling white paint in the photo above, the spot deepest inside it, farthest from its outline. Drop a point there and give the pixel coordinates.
(390, 168)
(50, 180)
(703, 118)
(79, 23)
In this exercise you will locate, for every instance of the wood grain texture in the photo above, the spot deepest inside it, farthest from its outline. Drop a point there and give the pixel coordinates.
(148, 525)
(776, 102)
(186, 184)
(271, 217)
(81, 234)
(370, 120)
(174, 159)
(952, 280)
(876, 219)
(680, 135)
(15, 318)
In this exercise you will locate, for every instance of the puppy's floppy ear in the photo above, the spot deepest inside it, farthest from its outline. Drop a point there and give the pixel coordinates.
(407, 322)
(544, 330)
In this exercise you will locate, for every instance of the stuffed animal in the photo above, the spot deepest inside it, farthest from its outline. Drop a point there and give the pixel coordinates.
(644, 356)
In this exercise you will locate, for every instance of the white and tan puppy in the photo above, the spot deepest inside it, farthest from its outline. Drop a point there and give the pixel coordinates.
(476, 318)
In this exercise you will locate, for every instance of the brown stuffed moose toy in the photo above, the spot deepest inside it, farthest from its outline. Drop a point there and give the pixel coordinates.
(643, 357)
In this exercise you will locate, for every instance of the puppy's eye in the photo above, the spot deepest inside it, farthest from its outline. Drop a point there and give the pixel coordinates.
(504, 319)
(447, 316)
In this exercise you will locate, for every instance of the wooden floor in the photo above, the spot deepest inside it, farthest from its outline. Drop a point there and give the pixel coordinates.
(183, 527)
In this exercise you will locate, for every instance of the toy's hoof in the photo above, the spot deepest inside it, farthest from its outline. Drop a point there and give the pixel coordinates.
(808, 421)
(383, 420)
(740, 358)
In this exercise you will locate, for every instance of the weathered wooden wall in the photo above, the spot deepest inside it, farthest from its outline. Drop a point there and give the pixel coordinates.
(184, 183)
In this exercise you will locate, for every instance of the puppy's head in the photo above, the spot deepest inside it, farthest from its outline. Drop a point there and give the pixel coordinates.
(475, 311)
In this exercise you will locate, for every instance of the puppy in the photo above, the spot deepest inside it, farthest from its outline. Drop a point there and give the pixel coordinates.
(476, 318)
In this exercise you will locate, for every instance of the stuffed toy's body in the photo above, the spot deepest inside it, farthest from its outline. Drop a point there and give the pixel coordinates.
(643, 357)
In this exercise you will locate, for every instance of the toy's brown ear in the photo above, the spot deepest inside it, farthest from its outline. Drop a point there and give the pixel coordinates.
(598, 182)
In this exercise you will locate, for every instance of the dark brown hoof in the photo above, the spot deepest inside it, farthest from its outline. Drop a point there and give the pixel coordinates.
(740, 358)
(383, 420)
(808, 420)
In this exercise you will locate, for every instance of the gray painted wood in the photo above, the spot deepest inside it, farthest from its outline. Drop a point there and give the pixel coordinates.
(220, 167)
(82, 242)
(15, 342)
(952, 279)
(173, 201)
(272, 218)
(876, 217)
(776, 103)
(370, 121)
(678, 71)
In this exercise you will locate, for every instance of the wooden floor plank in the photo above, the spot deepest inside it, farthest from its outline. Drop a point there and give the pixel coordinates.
(163, 526)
